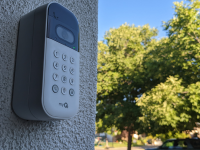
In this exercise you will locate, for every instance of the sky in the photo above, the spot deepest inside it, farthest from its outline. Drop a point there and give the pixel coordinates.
(113, 13)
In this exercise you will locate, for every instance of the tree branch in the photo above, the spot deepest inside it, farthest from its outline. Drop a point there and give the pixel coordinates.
(194, 37)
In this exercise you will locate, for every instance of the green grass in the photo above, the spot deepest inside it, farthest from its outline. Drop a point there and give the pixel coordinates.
(103, 144)
(117, 144)
(123, 144)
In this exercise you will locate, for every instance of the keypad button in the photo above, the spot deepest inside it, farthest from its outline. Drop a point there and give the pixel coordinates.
(55, 64)
(56, 54)
(64, 57)
(71, 92)
(71, 81)
(71, 70)
(55, 88)
(72, 60)
(64, 79)
(63, 90)
(55, 76)
(64, 68)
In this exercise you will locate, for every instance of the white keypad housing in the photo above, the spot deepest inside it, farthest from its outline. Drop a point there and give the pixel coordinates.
(61, 80)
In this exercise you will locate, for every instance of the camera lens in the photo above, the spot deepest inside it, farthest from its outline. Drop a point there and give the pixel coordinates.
(65, 34)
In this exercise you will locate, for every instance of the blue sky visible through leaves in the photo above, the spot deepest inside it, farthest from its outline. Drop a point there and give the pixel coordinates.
(113, 13)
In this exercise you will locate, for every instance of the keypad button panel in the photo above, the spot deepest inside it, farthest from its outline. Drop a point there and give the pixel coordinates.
(61, 80)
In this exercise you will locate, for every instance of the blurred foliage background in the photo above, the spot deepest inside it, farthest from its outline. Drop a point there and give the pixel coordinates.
(147, 84)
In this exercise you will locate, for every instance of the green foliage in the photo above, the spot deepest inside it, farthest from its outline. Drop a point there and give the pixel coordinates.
(149, 85)
(194, 97)
(170, 135)
(171, 103)
(165, 109)
(119, 64)
(109, 130)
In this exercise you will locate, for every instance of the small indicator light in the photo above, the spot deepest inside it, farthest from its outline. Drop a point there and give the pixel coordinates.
(73, 47)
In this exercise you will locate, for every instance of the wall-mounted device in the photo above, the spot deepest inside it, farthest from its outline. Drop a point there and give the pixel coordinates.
(46, 78)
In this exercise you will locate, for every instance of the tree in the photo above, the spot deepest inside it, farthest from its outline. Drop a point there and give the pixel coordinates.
(165, 108)
(119, 76)
(155, 81)
(173, 68)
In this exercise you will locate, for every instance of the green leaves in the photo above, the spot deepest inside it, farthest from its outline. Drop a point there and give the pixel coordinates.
(171, 104)
(194, 97)
(147, 84)
(165, 106)
(119, 74)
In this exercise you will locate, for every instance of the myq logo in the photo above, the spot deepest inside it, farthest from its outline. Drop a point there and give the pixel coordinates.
(64, 105)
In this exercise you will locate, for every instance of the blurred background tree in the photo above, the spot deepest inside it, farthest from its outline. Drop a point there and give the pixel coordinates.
(173, 67)
(151, 85)
(119, 80)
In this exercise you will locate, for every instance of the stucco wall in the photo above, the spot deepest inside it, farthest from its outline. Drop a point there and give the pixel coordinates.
(75, 133)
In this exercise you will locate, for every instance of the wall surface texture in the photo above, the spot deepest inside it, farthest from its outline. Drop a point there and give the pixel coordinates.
(76, 133)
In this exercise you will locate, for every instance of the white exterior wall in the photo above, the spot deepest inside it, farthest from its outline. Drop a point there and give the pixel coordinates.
(74, 134)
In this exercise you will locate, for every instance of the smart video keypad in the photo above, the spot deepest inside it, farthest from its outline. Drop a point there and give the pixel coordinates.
(46, 77)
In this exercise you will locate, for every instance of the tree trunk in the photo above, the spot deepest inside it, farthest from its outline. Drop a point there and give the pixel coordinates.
(129, 140)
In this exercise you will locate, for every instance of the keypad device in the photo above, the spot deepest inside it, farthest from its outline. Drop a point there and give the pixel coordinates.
(61, 78)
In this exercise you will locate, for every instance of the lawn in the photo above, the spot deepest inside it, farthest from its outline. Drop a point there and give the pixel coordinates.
(103, 144)
(123, 144)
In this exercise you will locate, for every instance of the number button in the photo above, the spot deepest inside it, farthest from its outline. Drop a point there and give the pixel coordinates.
(55, 88)
(64, 79)
(64, 57)
(72, 60)
(71, 81)
(56, 54)
(71, 92)
(71, 70)
(55, 64)
(64, 68)
(63, 90)
(55, 76)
